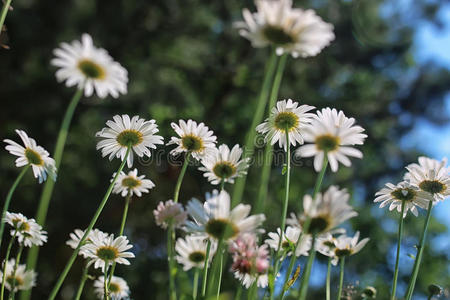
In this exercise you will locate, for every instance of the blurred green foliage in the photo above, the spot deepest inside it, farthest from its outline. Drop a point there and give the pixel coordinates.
(185, 60)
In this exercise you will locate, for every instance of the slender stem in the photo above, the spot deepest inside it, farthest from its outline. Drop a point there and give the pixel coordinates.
(195, 284)
(172, 265)
(205, 268)
(418, 260)
(69, 264)
(305, 281)
(286, 193)
(328, 287)
(238, 293)
(180, 178)
(8, 252)
(341, 278)
(257, 118)
(122, 227)
(252, 291)
(5, 9)
(307, 222)
(16, 265)
(220, 275)
(84, 277)
(222, 184)
(8, 199)
(105, 282)
(47, 190)
(268, 156)
(399, 242)
(214, 268)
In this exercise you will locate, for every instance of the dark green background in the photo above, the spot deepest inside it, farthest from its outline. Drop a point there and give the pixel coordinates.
(185, 60)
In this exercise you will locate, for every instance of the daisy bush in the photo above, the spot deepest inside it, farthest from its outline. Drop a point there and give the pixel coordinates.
(250, 164)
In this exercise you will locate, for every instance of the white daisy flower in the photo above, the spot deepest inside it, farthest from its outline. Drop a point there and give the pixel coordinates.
(215, 218)
(404, 191)
(131, 184)
(326, 211)
(286, 116)
(90, 68)
(122, 133)
(32, 154)
(27, 231)
(346, 246)
(194, 139)
(290, 239)
(291, 30)
(106, 249)
(22, 280)
(332, 133)
(169, 212)
(118, 288)
(250, 261)
(431, 176)
(223, 164)
(75, 238)
(191, 251)
(326, 244)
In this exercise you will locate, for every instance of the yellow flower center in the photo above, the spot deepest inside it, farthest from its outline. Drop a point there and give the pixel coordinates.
(405, 194)
(327, 142)
(107, 253)
(224, 169)
(432, 186)
(131, 182)
(91, 69)
(130, 137)
(33, 157)
(277, 35)
(197, 256)
(192, 143)
(286, 120)
(221, 228)
(114, 288)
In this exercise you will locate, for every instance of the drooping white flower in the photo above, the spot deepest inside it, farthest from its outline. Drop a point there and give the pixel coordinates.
(431, 176)
(191, 251)
(291, 30)
(132, 184)
(124, 132)
(169, 212)
(22, 280)
(217, 220)
(347, 245)
(333, 134)
(395, 195)
(27, 231)
(325, 245)
(118, 288)
(104, 250)
(32, 154)
(223, 164)
(288, 116)
(194, 139)
(76, 236)
(250, 261)
(89, 68)
(290, 239)
(326, 211)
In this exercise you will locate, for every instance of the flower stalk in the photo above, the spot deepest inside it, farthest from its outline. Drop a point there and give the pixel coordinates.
(328, 283)
(307, 273)
(172, 265)
(400, 232)
(8, 200)
(4, 12)
(180, 178)
(341, 278)
(12, 293)
(8, 252)
(205, 268)
(72, 258)
(412, 281)
(195, 283)
(84, 277)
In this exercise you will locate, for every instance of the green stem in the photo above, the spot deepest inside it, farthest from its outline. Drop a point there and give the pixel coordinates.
(5, 9)
(84, 277)
(180, 178)
(172, 265)
(257, 118)
(105, 282)
(252, 291)
(205, 268)
(8, 200)
(195, 284)
(268, 155)
(88, 230)
(418, 260)
(238, 293)
(8, 252)
(399, 242)
(47, 190)
(317, 186)
(122, 227)
(220, 275)
(222, 184)
(286, 193)
(341, 278)
(16, 265)
(214, 268)
(328, 287)
(305, 280)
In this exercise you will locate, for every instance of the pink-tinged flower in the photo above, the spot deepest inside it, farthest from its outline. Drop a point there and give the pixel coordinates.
(250, 261)
(169, 212)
